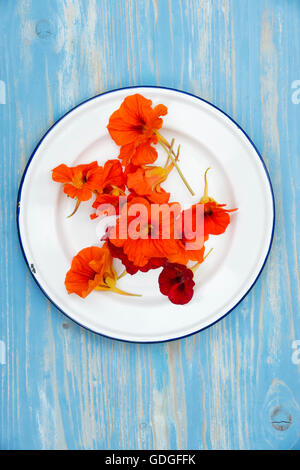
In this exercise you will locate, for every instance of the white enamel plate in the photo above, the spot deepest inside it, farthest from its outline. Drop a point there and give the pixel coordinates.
(238, 178)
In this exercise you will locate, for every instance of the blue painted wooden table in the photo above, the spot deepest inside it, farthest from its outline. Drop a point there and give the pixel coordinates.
(233, 386)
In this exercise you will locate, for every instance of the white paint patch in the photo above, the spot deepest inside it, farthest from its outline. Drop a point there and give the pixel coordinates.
(2, 353)
(159, 419)
(2, 92)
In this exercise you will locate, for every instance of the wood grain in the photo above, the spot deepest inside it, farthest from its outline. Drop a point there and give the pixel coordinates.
(233, 386)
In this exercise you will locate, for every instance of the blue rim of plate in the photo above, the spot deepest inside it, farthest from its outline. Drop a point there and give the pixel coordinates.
(132, 88)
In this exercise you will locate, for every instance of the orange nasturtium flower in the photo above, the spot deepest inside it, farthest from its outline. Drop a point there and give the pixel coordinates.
(191, 244)
(144, 237)
(146, 181)
(216, 218)
(79, 181)
(184, 255)
(92, 269)
(132, 127)
(111, 186)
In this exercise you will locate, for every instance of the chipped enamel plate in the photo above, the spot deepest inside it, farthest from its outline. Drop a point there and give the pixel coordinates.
(238, 177)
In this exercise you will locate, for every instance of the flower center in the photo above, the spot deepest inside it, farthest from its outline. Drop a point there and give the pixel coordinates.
(141, 128)
(178, 280)
(208, 211)
(147, 230)
(78, 180)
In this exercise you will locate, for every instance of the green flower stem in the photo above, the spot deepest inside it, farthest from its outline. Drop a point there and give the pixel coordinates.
(196, 266)
(163, 142)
